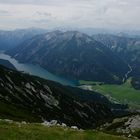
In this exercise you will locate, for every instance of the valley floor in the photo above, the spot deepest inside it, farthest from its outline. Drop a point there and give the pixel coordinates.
(24, 131)
(124, 93)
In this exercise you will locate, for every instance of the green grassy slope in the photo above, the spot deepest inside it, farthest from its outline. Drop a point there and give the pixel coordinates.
(15, 131)
(124, 93)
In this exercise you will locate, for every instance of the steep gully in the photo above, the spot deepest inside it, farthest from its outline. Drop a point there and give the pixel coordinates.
(127, 73)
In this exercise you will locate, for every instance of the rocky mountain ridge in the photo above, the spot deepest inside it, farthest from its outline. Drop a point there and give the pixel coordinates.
(48, 100)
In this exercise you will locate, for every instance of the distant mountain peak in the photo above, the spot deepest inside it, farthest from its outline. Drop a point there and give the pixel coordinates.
(68, 35)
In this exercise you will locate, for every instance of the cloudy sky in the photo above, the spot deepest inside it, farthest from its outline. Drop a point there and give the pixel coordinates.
(116, 14)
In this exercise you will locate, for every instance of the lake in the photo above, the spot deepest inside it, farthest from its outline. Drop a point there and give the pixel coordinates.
(37, 71)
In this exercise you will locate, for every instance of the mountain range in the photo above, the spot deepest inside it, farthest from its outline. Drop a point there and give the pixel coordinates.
(126, 48)
(11, 39)
(72, 55)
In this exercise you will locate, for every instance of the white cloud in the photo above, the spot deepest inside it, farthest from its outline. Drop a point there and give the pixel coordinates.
(70, 13)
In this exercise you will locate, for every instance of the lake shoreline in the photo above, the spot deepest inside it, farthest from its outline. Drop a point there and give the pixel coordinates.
(36, 70)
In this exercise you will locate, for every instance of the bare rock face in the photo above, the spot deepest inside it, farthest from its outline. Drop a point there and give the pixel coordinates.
(129, 126)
